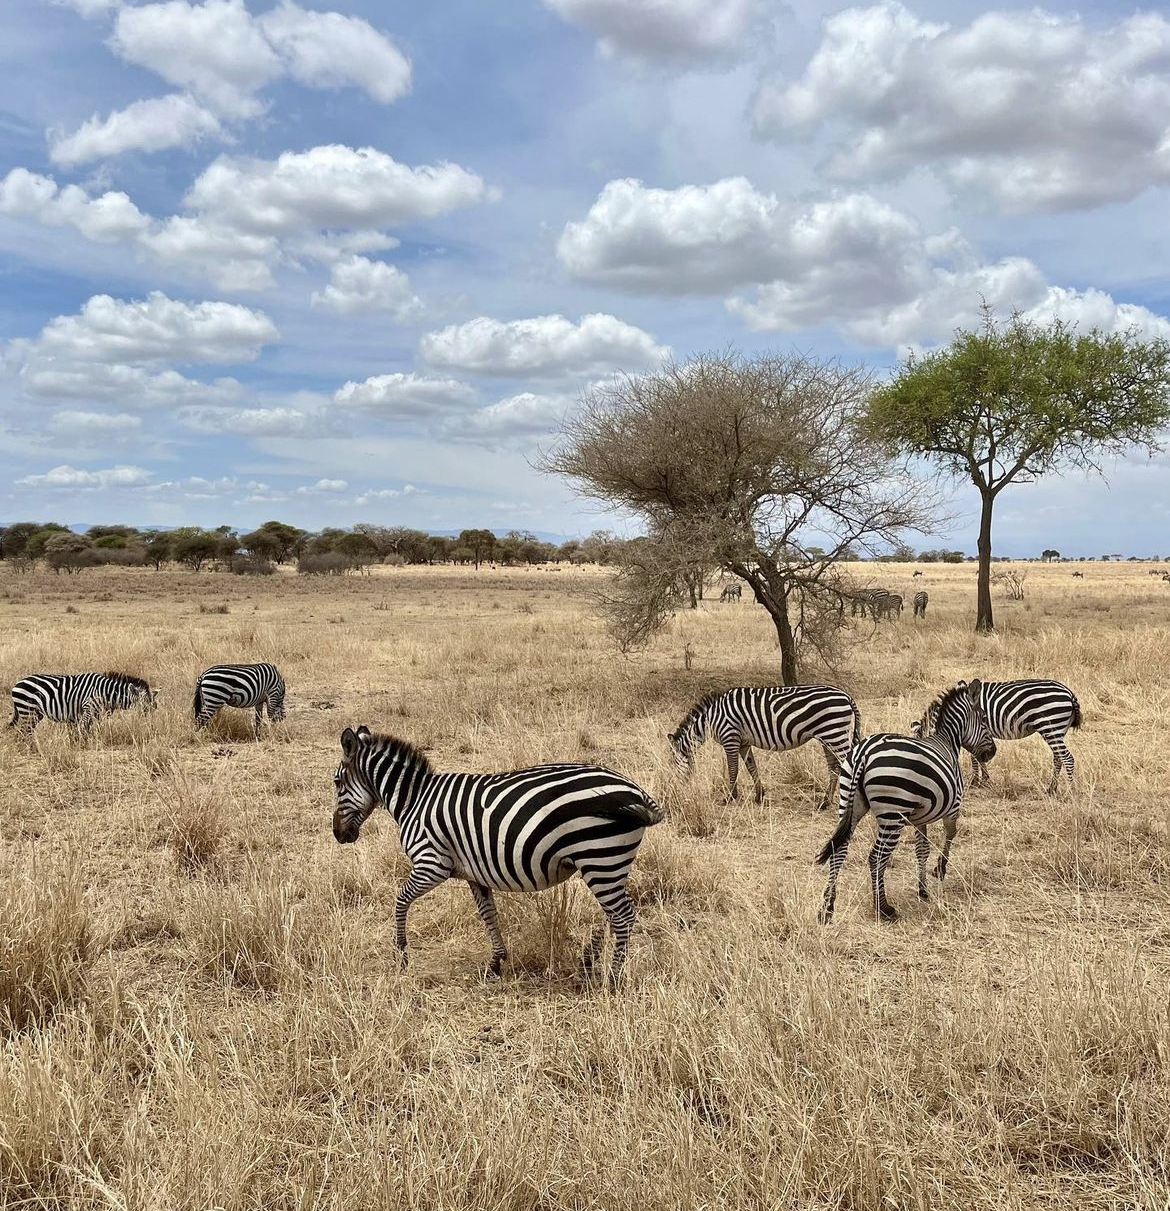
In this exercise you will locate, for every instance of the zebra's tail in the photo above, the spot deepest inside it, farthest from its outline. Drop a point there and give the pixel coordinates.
(856, 726)
(198, 699)
(849, 818)
(639, 807)
(1076, 712)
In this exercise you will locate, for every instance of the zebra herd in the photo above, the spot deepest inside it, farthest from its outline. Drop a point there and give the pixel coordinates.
(531, 829)
(80, 698)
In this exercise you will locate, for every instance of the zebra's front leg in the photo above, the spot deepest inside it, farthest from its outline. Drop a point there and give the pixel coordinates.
(921, 853)
(732, 753)
(980, 775)
(423, 879)
(485, 902)
(879, 859)
(950, 828)
(749, 759)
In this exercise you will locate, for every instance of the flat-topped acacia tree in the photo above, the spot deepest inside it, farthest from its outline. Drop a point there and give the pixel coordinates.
(1017, 400)
(759, 466)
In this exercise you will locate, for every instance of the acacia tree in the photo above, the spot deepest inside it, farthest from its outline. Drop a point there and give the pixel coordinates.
(1018, 400)
(743, 464)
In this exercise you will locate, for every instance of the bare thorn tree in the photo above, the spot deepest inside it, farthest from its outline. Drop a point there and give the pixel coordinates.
(758, 466)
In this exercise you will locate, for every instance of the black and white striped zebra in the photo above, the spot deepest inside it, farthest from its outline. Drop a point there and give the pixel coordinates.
(731, 592)
(245, 685)
(769, 717)
(527, 830)
(76, 698)
(905, 780)
(1017, 709)
(921, 600)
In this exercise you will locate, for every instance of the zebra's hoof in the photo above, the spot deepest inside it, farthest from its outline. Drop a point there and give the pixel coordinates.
(923, 894)
(887, 912)
(491, 973)
(825, 916)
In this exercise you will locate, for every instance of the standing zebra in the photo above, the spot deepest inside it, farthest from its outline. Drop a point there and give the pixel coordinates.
(907, 781)
(527, 830)
(239, 685)
(770, 717)
(1016, 709)
(731, 592)
(921, 598)
(76, 698)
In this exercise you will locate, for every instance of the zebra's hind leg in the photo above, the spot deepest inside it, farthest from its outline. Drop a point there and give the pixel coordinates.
(592, 949)
(950, 828)
(749, 759)
(485, 902)
(879, 858)
(1061, 759)
(833, 761)
(615, 902)
(921, 853)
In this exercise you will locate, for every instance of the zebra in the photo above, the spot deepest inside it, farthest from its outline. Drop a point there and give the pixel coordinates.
(921, 599)
(1017, 709)
(76, 698)
(768, 717)
(526, 830)
(905, 780)
(731, 592)
(239, 685)
(885, 604)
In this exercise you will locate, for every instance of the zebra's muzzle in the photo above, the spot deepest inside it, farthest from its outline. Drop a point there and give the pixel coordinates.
(345, 832)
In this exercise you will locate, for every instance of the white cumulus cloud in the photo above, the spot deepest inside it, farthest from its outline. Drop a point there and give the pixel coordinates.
(323, 487)
(176, 120)
(107, 219)
(74, 478)
(93, 424)
(544, 346)
(359, 286)
(1036, 109)
(667, 30)
(405, 395)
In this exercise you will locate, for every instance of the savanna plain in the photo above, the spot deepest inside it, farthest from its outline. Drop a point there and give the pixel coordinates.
(200, 997)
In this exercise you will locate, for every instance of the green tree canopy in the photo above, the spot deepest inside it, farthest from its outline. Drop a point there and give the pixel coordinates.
(1017, 400)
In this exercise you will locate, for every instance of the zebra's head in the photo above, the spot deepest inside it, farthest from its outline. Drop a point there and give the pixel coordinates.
(275, 711)
(356, 797)
(688, 736)
(959, 714)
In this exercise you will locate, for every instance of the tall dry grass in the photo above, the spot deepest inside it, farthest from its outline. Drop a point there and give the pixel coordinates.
(203, 1004)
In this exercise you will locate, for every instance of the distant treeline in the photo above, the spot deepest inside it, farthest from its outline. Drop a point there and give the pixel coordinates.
(325, 552)
(335, 551)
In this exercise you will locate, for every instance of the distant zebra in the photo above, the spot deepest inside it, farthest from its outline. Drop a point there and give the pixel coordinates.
(769, 717)
(921, 599)
(76, 698)
(243, 685)
(731, 592)
(1017, 709)
(905, 780)
(527, 830)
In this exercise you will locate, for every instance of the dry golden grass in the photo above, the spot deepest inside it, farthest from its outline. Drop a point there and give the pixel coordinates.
(199, 998)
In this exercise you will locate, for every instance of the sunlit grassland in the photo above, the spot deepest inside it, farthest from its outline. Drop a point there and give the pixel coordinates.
(200, 1004)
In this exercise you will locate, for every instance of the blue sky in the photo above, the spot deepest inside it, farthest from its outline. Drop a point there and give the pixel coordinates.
(354, 262)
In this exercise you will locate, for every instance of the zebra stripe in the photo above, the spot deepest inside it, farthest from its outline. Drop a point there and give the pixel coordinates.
(769, 717)
(75, 698)
(907, 781)
(1017, 709)
(254, 685)
(527, 830)
(921, 599)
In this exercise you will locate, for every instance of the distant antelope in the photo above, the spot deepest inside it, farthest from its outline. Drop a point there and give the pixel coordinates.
(1079, 575)
(917, 573)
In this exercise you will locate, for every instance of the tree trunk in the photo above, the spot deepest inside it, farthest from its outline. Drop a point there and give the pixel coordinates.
(789, 673)
(984, 623)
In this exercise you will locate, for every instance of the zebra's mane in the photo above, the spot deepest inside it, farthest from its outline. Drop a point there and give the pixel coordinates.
(699, 709)
(127, 679)
(930, 716)
(392, 746)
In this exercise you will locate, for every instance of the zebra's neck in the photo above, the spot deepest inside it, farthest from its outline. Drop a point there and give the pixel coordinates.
(397, 775)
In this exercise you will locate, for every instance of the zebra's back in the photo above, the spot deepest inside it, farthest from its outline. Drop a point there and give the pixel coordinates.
(1016, 709)
(529, 829)
(781, 717)
(237, 684)
(916, 780)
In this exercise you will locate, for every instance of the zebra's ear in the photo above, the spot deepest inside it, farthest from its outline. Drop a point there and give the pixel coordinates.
(349, 742)
(974, 687)
(363, 733)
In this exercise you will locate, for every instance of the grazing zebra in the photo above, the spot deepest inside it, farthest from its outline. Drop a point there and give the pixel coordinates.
(239, 685)
(527, 830)
(905, 780)
(921, 599)
(1017, 709)
(769, 717)
(76, 698)
(731, 592)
